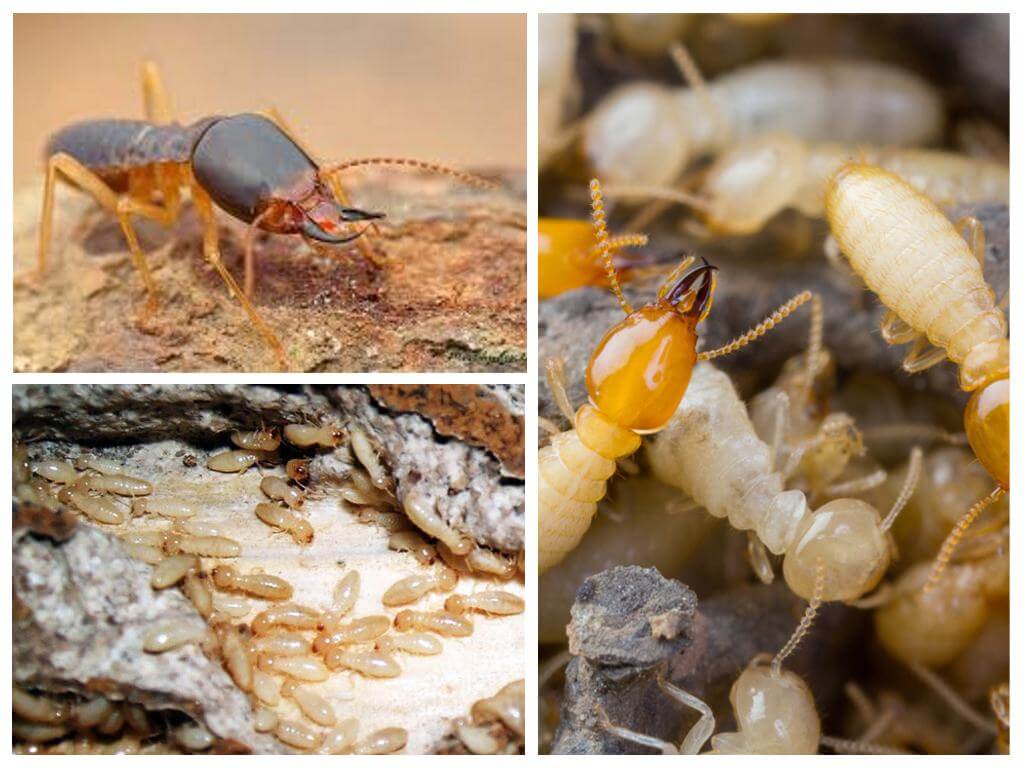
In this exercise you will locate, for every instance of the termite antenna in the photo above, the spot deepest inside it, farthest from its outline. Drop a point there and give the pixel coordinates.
(953, 699)
(815, 342)
(949, 545)
(688, 68)
(603, 247)
(909, 486)
(467, 178)
(668, 194)
(805, 623)
(628, 240)
(858, 747)
(760, 330)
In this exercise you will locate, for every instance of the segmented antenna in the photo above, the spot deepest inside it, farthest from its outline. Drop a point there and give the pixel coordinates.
(463, 176)
(946, 552)
(760, 330)
(805, 623)
(603, 244)
(909, 486)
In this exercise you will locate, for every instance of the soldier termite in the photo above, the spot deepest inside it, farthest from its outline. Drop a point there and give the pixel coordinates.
(846, 539)
(170, 508)
(412, 588)
(932, 282)
(636, 378)
(414, 544)
(648, 134)
(311, 704)
(417, 643)
(422, 511)
(439, 622)
(366, 663)
(344, 597)
(287, 521)
(98, 508)
(289, 615)
(309, 435)
(306, 668)
(279, 490)
(493, 602)
(232, 461)
(263, 585)
(364, 629)
(386, 741)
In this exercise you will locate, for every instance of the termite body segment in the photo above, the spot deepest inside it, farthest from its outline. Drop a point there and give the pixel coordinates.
(494, 602)
(287, 521)
(263, 585)
(55, 471)
(367, 663)
(278, 489)
(365, 629)
(440, 623)
(120, 485)
(258, 440)
(309, 435)
(412, 588)
(99, 508)
(232, 461)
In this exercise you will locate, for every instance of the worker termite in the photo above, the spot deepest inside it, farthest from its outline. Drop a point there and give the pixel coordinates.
(235, 654)
(636, 377)
(263, 585)
(171, 508)
(440, 623)
(309, 435)
(344, 597)
(249, 165)
(37, 708)
(232, 605)
(120, 485)
(416, 643)
(290, 615)
(98, 508)
(508, 705)
(412, 588)
(386, 741)
(232, 461)
(487, 561)
(97, 464)
(365, 629)
(286, 521)
(266, 688)
(932, 282)
(61, 472)
(422, 511)
(306, 668)
(369, 455)
(340, 740)
(172, 634)
(367, 663)
(297, 735)
(204, 546)
(279, 490)
(263, 440)
(845, 539)
(311, 704)
(196, 587)
(493, 602)
(569, 257)
(265, 720)
(414, 544)
(170, 571)
(193, 737)
(757, 179)
(281, 644)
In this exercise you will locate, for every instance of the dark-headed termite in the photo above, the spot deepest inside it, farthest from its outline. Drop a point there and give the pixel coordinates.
(248, 165)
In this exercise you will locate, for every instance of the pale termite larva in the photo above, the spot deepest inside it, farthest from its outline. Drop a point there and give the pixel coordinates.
(439, 622)
(414, 544)
(288, 615)
(171, 508)
(386, 741)
(99, 508)
(38, 733)
(278, 489)
(264, 440)
(424, 515)
(417, 643)
(297, 735)
(346, 592)
(204, 546)
(37, 708)
(232, 605)
(477, 739)
(97, 464)
(711, 451)
(366, 663)
(174, 633)
(92, 712)
(508, 705)
(392, 522)
(232, 461)
(341, 739)
(286, 521)
(494, 602)
(312, 705)
(369, 456)
(144, 552)
(412, 588)
(197, 589)
(643, 133)
(121, 485)
(306, 668)
(282, 644)
(193, 737)
(55, 471)
(365, 629)
(265, 720)
(263, 585)
(307, 435)
(483, 560)
(170, 571)
(235, 653)
(265, 688)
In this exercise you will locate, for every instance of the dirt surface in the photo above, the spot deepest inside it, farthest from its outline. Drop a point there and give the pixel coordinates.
(450, 295)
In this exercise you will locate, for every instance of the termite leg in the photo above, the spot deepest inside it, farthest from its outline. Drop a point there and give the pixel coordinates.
(703, 728)
(555, 369)
(688, 68)
(666, 748)
(973, 232)
(204, 206)
(154, 96)
(363, 243)
(923, 356)
(896, 331)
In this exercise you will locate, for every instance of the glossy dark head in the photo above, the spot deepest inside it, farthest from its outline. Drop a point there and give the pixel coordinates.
(251, 168)
(694, 292)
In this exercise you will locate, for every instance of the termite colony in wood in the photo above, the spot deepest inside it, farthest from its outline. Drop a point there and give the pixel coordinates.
(860, 504)
(273, 643)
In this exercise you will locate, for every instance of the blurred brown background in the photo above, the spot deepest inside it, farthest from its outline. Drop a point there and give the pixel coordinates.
(450, 88)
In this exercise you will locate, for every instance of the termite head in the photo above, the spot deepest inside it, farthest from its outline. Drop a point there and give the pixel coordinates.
(693, 294)
(257, 173)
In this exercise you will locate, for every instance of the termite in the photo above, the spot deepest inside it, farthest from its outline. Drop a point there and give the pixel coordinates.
(263, 440)
(386, 741)
(440, 623)
(844, 541)
(235, 653)
(61, 472)
(193, 737)
(414, 544)
(287, 521)
(648, 134)
(290, 615)
(341, 739)
(265, 720)
(262, 585)
(508, 705)
(369, 455)
(232, 605)
(204, 546)
(636, 377)
(483, 560)
(759, 178)
(412, 588)
(248, 165)
(172, 634)
(297, 735)
(365, 629)
(232, 461)
(569, 257)
(306, 668)
(309, 435)
(281, 644)
(120, 485)
(279, 490)
(170, 571)
(266, 688)
(494, 602)
(367, 663)
(344, 597)
(931, 280)
(171, 508)
(417, 643)
(196, 587)
(422, 511)
(98, 508)
(37, 708)
(97, 464)
(311, 704)
(297, 470)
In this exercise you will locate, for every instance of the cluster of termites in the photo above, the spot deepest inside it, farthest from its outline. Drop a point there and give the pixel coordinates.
(275, 647)
(923, 545)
